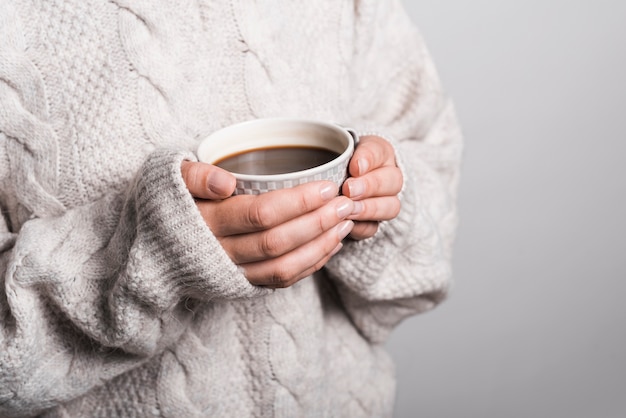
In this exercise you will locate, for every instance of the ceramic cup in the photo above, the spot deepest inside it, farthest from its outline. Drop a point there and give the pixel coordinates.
(275, 134)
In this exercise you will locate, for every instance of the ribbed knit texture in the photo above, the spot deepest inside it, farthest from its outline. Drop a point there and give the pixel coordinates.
(117, 300)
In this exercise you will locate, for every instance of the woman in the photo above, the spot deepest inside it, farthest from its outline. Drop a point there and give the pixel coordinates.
(133, 285)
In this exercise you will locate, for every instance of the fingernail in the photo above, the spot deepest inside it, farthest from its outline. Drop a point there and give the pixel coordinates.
(358, 208)
(344, 228)
(344, 209)
(363, 166)
(221, 183)
(356, 187)
(337, 249)
(328, 192)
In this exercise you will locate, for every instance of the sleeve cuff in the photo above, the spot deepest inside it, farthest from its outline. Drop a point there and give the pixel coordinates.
(192, 259)
(360, 263)
(405, 257)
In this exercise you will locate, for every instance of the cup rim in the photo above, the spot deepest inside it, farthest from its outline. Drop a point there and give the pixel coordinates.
(294, 175)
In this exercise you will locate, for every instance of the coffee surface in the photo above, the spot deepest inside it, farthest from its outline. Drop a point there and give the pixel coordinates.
(276, 160)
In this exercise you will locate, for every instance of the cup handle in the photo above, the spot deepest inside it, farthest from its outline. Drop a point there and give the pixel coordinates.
(352, 133)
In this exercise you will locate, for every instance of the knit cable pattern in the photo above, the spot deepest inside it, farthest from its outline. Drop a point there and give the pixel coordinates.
(117, 299)
(24, 121)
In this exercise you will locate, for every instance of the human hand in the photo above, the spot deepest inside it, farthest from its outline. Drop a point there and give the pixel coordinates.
(374, 185)
(277, 238)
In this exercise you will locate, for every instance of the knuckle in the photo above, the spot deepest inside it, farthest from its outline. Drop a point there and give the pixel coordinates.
(387, 148)
(271, 244)
(197, 175)
(367, 152)
(387, 209)
(290, 282)
(377, 183)
(398, 179)
(259, 215)
(302, 202)
(281, 277)
(320, 224)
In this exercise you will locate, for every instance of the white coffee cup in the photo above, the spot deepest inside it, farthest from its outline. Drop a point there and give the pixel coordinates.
(280, 133)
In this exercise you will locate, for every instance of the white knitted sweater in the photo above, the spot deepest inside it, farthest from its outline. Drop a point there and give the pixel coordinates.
(116, 298)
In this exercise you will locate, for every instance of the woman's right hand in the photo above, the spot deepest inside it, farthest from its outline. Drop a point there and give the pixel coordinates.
(277, 238)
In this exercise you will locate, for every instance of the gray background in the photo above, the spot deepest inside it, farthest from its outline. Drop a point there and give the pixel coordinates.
(536, 324)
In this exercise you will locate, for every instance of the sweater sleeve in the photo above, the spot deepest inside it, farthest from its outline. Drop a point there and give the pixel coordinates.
(101, 288)
(405, 268)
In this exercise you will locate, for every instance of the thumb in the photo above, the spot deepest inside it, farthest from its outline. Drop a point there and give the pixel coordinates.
(206, 181)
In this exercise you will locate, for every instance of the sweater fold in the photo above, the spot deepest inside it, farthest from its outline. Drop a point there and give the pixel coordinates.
(117, 300)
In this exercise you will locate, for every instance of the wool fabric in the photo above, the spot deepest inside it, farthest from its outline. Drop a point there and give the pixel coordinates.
(117, 300)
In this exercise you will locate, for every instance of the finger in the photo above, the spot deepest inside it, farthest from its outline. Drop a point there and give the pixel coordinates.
(371, 152)
(206, 181)
(289, 269)
(274, 242)
(318, 266)
(364, 230)
(384, 181)
(286, 270)
(376, 209)
(247, 213)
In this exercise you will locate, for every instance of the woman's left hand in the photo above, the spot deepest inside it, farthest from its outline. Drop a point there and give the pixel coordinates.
(374, 183)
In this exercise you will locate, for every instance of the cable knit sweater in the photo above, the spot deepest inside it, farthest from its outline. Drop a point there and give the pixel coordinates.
(117, 301)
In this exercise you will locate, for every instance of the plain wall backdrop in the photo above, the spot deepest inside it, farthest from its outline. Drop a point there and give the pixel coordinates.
(536, 323)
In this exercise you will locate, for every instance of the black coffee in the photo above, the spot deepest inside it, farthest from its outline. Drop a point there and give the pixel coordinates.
(276, 160)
